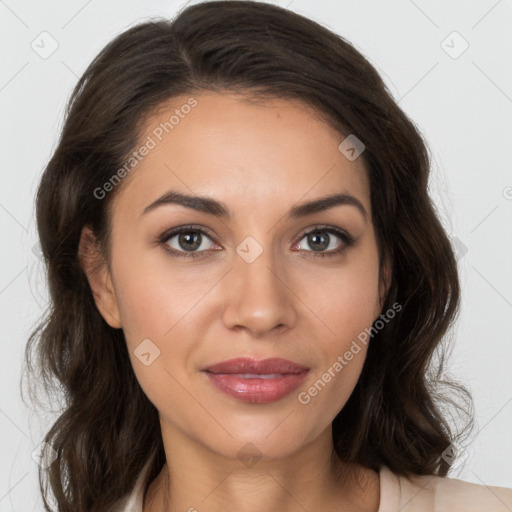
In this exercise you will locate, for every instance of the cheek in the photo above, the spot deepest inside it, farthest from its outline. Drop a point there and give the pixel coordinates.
(346, 301)
(330, 388)
(153, 296)
(347, 304)
(158, 305)
(342, 352)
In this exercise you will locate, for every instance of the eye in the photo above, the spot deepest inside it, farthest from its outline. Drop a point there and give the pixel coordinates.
(190, 242)
(321, 238)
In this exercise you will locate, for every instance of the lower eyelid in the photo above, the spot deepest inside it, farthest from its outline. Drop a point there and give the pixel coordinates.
(346, 241)
(346, 238)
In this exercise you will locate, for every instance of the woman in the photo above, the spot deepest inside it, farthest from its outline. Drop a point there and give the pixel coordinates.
(211, 356)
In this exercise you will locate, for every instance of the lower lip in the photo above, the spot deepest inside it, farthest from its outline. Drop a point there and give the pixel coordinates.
(256, 390)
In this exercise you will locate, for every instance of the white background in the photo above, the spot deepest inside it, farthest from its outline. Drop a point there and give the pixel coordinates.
(462, 105)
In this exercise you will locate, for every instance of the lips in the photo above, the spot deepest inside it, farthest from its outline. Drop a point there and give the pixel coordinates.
(255, 381)
(275, 365)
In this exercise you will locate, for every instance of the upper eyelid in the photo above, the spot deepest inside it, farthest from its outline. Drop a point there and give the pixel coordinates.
(171, 233)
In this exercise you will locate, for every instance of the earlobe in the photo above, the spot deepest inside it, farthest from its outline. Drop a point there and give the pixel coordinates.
(96, 269)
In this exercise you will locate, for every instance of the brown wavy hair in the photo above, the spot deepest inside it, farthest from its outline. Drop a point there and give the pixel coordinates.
(108, 429)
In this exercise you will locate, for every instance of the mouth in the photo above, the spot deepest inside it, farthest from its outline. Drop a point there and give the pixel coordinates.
(255, 381)
(249, 366)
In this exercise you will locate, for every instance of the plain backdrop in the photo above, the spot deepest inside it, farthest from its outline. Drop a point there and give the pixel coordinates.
(448, 64)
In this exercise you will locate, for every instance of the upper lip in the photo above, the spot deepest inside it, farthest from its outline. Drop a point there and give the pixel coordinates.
(257, 367)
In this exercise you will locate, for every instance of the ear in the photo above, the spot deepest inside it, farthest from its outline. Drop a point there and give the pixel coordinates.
(96, 269)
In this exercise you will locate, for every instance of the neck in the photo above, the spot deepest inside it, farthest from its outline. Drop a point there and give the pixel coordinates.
(197, 479)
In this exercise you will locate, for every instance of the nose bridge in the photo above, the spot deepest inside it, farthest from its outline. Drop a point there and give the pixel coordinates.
(258, 298)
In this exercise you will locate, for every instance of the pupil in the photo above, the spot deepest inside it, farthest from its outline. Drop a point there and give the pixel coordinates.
(192, 241)
(313, 238)
(186, 238)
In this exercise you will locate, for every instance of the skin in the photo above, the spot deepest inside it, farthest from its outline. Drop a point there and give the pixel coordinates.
(260, 160)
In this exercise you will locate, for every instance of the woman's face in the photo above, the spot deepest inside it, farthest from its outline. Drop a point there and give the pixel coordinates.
(249, 293)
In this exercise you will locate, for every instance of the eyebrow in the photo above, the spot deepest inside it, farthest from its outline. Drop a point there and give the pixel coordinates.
(219, 209)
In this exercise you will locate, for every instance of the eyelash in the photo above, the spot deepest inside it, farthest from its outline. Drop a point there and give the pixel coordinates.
(347, 239)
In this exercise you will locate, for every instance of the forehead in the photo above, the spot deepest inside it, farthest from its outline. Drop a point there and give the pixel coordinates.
(242, 152)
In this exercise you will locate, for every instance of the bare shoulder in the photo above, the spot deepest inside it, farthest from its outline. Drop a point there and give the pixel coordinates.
(454, 495)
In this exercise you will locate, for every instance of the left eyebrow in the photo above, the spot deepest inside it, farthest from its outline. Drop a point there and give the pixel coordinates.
(325, 203)
(218, 209)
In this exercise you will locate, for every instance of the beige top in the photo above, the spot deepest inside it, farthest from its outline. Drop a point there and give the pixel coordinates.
(398, 494)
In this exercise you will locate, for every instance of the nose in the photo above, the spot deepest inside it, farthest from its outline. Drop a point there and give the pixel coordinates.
(258, 297)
